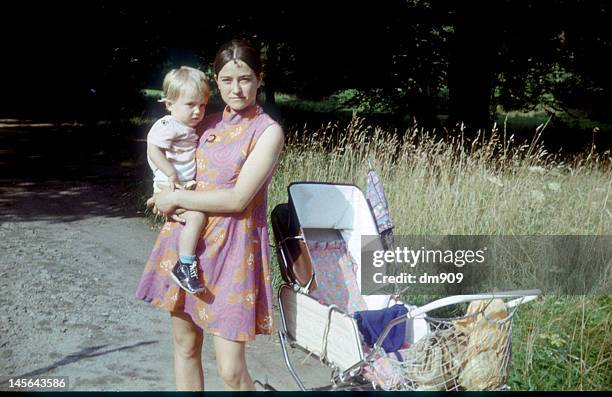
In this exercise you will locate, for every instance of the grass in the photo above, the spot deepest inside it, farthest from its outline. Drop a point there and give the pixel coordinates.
(489, 186)
(562, 343)
(435, 186)
(575, 119)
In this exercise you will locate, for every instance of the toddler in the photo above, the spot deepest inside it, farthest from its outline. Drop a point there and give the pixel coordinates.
(171, 147)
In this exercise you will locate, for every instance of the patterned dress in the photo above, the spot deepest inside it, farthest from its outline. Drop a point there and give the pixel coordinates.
(233, 252)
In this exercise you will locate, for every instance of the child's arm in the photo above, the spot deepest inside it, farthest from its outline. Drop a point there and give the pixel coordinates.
(158, 157)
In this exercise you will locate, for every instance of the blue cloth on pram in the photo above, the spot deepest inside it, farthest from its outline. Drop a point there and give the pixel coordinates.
(372, 323)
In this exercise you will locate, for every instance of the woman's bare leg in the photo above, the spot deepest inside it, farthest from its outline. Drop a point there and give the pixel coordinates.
(188, 340)
(231, 364)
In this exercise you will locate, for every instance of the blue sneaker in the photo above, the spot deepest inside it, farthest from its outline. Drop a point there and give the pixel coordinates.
(186, 276)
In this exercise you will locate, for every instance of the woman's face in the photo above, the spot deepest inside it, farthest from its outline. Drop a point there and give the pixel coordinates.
(238, 85)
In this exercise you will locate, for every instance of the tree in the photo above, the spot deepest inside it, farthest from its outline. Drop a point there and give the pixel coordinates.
(413, 57)
(471, 64)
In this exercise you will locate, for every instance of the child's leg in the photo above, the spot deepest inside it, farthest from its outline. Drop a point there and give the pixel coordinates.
(190, 235)
(185, 271)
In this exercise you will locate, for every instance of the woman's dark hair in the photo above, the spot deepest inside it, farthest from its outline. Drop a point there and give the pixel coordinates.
(238, 50)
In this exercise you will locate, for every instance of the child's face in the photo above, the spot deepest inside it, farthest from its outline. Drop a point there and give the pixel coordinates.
(189, 107)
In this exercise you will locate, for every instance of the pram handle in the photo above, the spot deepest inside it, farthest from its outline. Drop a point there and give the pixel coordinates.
(522, 296)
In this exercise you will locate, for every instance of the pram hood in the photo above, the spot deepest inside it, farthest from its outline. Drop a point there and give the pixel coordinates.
(342, 207)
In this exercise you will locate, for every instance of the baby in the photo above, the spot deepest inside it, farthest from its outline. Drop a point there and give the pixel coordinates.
(171, 147)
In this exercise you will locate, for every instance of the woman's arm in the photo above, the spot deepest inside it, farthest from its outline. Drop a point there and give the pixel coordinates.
(253, 174)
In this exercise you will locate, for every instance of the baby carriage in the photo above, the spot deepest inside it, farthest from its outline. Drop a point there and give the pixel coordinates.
(318, 236)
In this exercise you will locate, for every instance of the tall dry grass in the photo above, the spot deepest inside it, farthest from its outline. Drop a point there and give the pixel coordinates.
(489, 185)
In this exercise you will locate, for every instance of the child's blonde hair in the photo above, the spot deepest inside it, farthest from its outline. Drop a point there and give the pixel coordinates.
(177, 80)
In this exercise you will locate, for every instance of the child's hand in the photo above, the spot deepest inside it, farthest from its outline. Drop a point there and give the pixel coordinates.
(173, 180)
(162, 204)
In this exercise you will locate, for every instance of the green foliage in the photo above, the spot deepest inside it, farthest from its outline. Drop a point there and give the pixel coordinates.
(373, 100)
(560, 62)
(562, 343)
(151, 93)
(306, 105)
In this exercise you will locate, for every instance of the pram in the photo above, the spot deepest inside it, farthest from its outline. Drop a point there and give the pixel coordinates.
(318, 236)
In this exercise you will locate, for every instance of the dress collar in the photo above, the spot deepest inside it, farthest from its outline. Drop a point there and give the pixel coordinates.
(243, 115)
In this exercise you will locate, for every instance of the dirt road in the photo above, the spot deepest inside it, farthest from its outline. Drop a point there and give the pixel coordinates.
(72, 252)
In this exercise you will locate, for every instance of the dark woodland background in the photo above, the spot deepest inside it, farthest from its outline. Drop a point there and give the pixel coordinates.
(437, 62)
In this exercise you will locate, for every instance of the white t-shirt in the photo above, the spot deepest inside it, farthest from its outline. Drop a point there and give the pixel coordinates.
(179, 142)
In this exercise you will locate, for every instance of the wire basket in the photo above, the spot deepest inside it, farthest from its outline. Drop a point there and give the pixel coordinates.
(463, 353)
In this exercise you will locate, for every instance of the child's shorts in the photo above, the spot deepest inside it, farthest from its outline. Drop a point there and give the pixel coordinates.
(158, 186)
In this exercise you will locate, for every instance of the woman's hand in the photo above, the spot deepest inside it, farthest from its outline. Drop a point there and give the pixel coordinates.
(163, 203)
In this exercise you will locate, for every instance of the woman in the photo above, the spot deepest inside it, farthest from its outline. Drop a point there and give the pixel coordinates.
(236, 159)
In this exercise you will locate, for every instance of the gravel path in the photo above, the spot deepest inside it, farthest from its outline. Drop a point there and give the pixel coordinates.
(69, 311)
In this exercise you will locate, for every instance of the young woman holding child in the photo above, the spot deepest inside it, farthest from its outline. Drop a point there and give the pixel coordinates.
(236, 158)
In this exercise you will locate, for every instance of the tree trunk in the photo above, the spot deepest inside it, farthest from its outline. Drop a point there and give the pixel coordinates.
(271, 74)
(471, 67)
